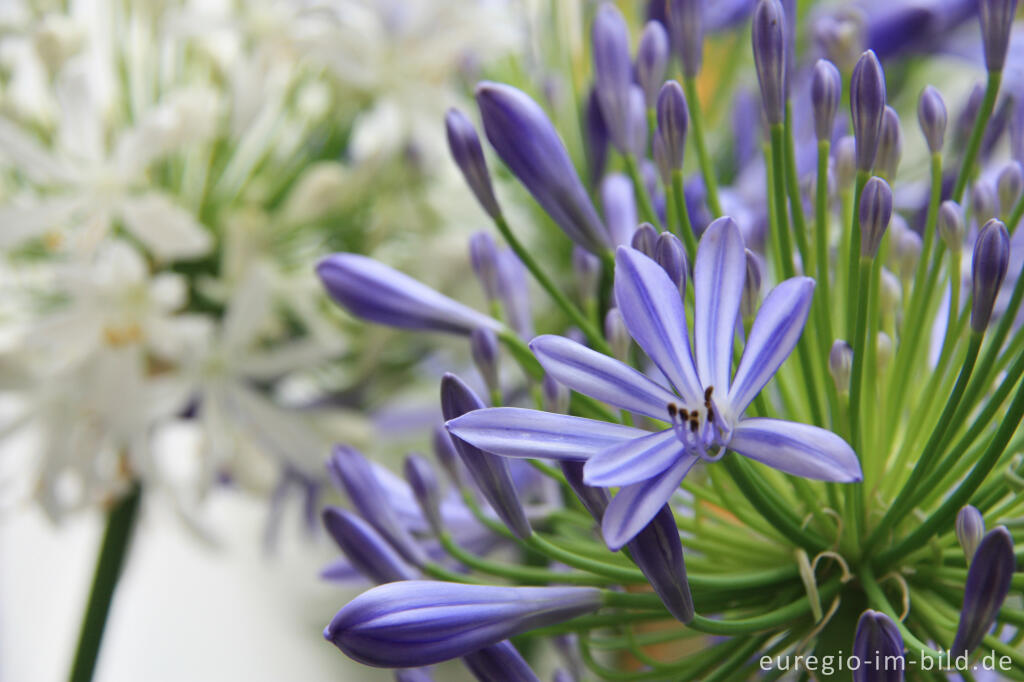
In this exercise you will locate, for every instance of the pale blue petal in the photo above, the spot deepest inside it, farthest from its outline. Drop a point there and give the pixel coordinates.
(599, 376)
(718, 277)
(635, 505)
(633, 461)
(798, 449)
(654, 315)
(518, 432)
(774, 334)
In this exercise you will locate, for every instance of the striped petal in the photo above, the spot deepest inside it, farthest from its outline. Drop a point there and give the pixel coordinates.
(798, 449)
(634, 460)
(718, 277)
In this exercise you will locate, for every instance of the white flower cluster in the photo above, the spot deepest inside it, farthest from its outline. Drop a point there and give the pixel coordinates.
(169, 172)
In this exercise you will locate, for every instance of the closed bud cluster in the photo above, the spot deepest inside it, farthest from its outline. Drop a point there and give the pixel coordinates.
(867, 108)
(988, 268)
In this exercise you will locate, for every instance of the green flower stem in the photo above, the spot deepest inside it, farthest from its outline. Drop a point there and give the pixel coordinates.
(697, 124)
(977, 132)
(854, 495)
(439, 572)
(796, 205)
(852, 270)
(766, 621)
(647, 212)
(116, 538)
(1013, 220)
(576, 315)
(823, 297)
(522, 354)
(878, 599)
(683, 215)
(869, 423)
(740, 658)
(946, 512)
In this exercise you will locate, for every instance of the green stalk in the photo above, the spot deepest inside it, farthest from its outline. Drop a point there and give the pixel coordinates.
(120, 523)
(647, 212)
(697, 123)
(520, 574)
(796, 206)
(877, 597)
(683, 215)
(852, 270)
(974, 144)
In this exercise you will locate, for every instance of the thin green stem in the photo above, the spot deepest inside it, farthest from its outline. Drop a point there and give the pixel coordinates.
(647, 211)
(796, 206)
(683, 215)
(697, 124)
(852, 269)
(988, 104)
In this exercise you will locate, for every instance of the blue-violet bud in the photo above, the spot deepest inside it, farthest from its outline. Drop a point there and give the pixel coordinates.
(444, 452)
(988, 268)
(874, 214)
(464, 144)
(658, 553)
(983, 201)
(613, 72)
(750, 301)
(970, 529)
(483, 346)
(670, 254)
(421, 478)
(595, 135)
(619, 204)
(483, 256)
(556, 395)
(500, 661)
(768, 39)
(878, 645)
(644, 239)
(931, 115)
(637, 123)
(652, 56)
(890, 144)
(840, 365)
(996, 17)
(867, 106)
(951, 225)
(673, 121)
(586, 267)
(368, 552)
(1009, 186)
(686, 21)
(616, 333)
(826, 91)
(988, 582)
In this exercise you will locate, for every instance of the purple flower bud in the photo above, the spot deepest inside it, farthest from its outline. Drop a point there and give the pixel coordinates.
(368, 552)
(846, 161)
(686, 21)
(414, 675)
(658, 552)
(661, 158)
(372, 291)
(587, 269)
(556, 395)
(483, 255)
(619, 205)
(595, 134)
(352, 472)
(483, 345)
(444, 451)
(528, 143)
(826, 91)
(673, 121)
(867, 106)
(988, 268)
(1010, 184)
(890, 144)
(637, 123)
(499, 661)
(988, 583)
(970, 529)
(514, 292)
(670, 254)
(490, 472)
(613, 72)
(751, 298)
(996, 17)
(951, 225)
(421, 478)
(840, 364)
(464, 145)
(768, 38)
(616, 333)
(651, 59)
(931, 114)
(595, 500)
(875, 213)
(421, 622)
(644, 239)
(878, 639)
(969, 112)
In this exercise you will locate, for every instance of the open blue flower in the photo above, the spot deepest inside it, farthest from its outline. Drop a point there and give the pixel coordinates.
(704, 413)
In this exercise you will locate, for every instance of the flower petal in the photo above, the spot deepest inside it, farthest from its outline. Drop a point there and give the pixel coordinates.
(773, 336)
(718, 277)
(601, 377)
(518, 432)
(633, 461)
(169, 231)
(655, 318)
(798, 449)
(635, 505)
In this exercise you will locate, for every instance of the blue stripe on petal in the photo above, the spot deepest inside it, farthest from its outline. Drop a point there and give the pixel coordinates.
(518, 432)
(777, 328)
(633, 461)
(654, 315)
(635, 505)
(718, 276)
(601, 377)
(798, 449)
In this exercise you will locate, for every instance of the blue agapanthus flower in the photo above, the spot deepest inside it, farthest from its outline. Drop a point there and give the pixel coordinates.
(699, 413)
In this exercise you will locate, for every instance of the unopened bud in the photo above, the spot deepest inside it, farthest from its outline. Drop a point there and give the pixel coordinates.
(988, 268)
(826, 90)
(951, 225)
(931, 115)
(1009, 186)
(970, 529)
(840, 364)
(421, 478)
(670, 254)
(752, 283)
(644, 239)
(875, 213)
(483, 345)
(616, 333)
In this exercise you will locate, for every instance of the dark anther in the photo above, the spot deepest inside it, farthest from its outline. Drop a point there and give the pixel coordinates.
(672, 410)
(694, 424)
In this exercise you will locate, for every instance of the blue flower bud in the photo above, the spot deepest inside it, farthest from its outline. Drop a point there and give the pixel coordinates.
(996, 17)
(867, 106)
(421, 622)
(353, 473)
(983, 201)
(988, 583)
(751, 299)
(444, 451)
(673, 121)
(368, 552)
(658, 553)
(595, 136)
(840, 365)
(372, 291)
(556, 395)
(670, 254)
(1009, 185)
(768, 39)
(423, 482)
(414, 675)
(686, 21)
(483, 256)
(619, 205)
(587, 269)
(637, 123)
(878, 641)
(644, 239)
(826, 91)
(931, 114)
(499, 661)
(465, 148)
(651, 60)
(613, 72)
(490, 472)
(951, 225)
(514, 292)
(846, 161)
(661, 158)
(528, 143)
(988, 268)
(874, 214)
(483, 346)
(970, 529)
(616, 333)
(595, 500)
(890, 144)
